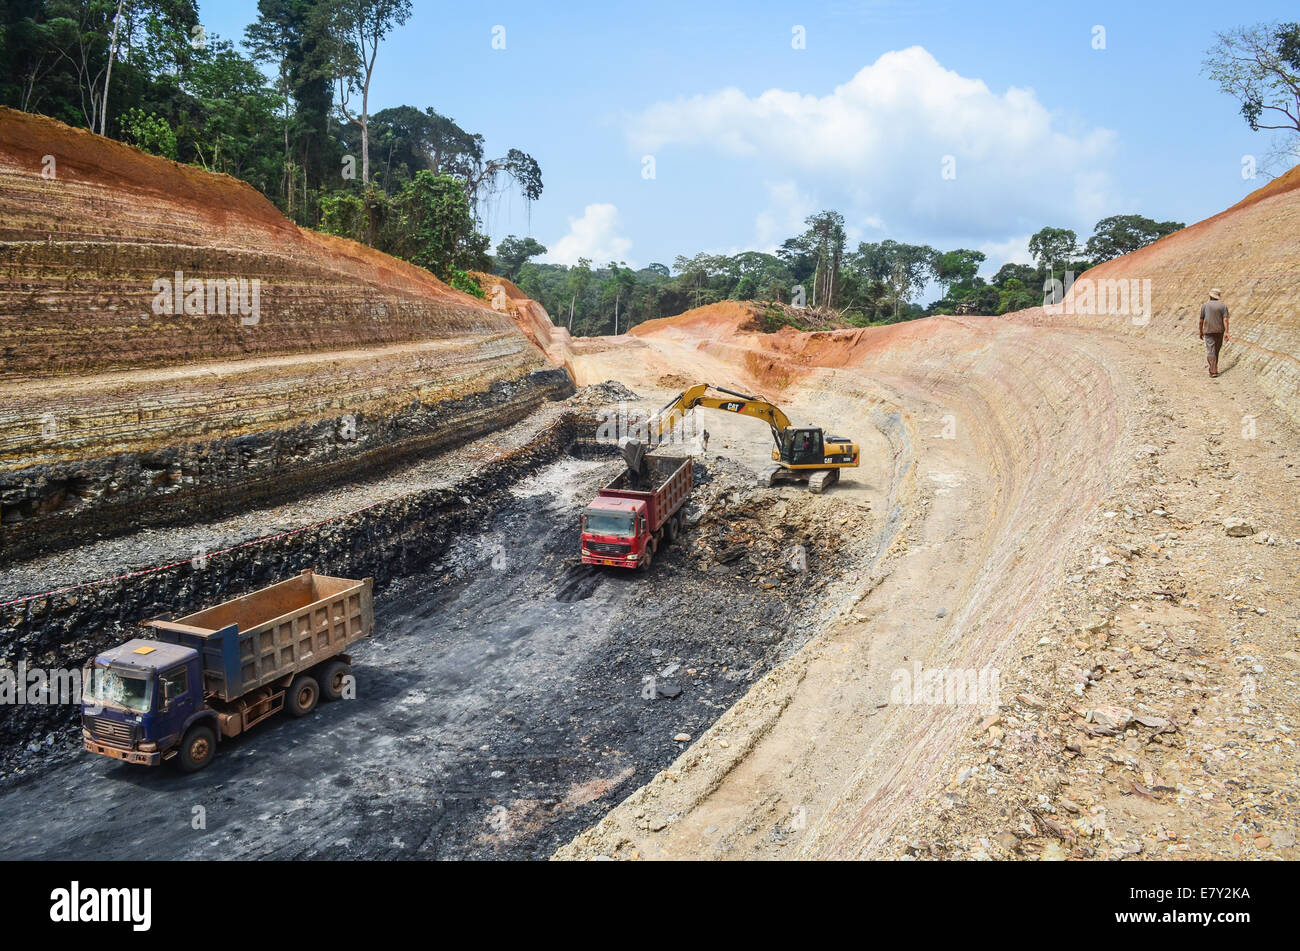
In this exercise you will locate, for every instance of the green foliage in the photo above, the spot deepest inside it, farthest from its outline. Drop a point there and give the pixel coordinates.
(958, 267)
(1122, 234)
(1015, 296)
(149, 132)
(1052, 246)
(463, 282)
(344, 214)
(513, 252)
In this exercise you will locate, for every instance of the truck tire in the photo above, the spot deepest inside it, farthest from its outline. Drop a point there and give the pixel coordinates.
(303, 695)
(680, 519)
(332, 679)
(198, 747)
(648, 559)
(670, 530)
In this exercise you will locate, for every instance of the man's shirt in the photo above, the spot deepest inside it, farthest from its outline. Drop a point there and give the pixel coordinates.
(1214, 313)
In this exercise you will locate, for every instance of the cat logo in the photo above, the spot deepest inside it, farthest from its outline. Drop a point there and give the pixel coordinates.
(732, 407)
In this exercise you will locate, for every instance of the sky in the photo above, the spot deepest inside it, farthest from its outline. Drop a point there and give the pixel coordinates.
(678, 127)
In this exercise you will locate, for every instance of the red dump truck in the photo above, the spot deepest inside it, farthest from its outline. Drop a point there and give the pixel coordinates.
(624, 526)
(214, 674)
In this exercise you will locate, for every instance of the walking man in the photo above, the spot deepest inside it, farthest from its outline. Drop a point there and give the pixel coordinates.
(1214, 328)
(704, 441)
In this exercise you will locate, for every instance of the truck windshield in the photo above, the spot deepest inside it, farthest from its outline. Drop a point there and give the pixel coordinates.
(609, 523)
(115, 688)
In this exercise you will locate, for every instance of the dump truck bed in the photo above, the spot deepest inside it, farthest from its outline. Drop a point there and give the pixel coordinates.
(262, 637)
(672, 478)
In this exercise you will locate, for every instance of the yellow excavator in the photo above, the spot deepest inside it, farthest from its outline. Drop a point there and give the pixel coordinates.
(803, 453)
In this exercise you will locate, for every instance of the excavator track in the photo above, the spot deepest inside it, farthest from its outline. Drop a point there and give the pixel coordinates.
(819, 482)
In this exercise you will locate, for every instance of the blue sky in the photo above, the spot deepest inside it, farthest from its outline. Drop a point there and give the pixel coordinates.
(748, 134)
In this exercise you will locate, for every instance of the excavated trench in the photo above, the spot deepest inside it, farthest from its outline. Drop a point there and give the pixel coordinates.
(510, 697)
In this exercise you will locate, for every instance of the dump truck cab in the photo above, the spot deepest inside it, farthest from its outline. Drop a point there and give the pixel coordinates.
(141, 698)
(636, 512)
(614, 531)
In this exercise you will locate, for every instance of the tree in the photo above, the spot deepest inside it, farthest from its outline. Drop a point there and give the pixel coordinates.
(358, 27)
(430, 224)
(1015, 296)
(1051, 245)
(149, 132)
(108, 71)
(1024, 273)
(957, 267)
(513, 252)
(619, 284)
(1122, 234)
(579, 281)
(1259, 66)
(825, 237)
(903, 268)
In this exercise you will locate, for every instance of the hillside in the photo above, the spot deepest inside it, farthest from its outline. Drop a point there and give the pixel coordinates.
(1046, 496)
(116, 411)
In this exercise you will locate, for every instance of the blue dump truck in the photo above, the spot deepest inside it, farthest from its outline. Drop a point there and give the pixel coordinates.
(212, 675)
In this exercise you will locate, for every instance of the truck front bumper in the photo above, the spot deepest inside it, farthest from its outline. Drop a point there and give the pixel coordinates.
(126, 756)
(627, 561)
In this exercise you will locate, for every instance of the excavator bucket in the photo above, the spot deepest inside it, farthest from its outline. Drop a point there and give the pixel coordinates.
(638, 470)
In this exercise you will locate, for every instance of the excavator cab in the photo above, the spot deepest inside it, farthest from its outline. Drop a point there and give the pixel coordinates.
(801, 447)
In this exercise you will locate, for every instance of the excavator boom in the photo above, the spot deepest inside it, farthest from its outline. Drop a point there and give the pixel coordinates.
(806, 453)
(729, 401)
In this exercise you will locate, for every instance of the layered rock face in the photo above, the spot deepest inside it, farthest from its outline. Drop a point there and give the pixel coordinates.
(172, 345)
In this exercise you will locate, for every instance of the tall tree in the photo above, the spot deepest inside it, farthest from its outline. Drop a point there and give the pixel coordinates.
(1051, 245)
(358, 28)
(825, 236)
(513, 252)
(1259, 66)
(579, 281)
(295, 36)
(905, 268)
(108, 71)
(957, 267)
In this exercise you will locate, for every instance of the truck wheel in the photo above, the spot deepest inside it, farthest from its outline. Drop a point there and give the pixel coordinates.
(670, 530)
(303, 694)
(332, 680)
(649, 558)
(680, 519)
(197, 749)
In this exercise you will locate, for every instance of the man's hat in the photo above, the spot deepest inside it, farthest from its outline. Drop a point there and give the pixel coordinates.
(1215, 294)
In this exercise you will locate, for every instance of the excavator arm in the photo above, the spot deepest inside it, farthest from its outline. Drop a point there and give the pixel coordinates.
(729, 401)
(807, 453)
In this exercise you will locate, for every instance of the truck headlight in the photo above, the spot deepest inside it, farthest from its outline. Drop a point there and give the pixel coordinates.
(148, 747)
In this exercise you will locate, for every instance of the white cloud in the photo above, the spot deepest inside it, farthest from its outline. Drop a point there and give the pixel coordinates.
(875, 148)
(998, 253)
(594, 236)
(787, 207)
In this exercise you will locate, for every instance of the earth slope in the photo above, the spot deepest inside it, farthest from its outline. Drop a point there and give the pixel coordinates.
(1047, 495)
